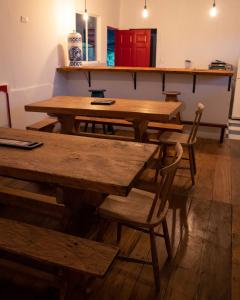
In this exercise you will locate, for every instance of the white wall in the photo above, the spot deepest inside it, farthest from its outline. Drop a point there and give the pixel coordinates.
(186, 31)
(30, 52)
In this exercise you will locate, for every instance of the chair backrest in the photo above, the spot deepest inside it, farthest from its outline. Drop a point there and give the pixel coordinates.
(194, 129)
(165, 183)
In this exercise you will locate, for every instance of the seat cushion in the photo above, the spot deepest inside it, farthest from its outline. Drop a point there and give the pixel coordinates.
(174, 137)
(133, 209)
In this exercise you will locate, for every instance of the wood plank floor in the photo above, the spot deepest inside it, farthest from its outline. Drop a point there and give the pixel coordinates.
(204, 227)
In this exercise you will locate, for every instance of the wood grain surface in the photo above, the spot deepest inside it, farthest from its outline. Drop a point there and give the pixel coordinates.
(141, 69)
(56, 248)
(103, 166)
(122, 108)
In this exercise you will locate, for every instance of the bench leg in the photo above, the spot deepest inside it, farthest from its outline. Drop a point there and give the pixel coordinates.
(77, 125)
(222, 135)
(111, 129)
(119, 232)
(104, 128)
(86, 127)
(63, 291)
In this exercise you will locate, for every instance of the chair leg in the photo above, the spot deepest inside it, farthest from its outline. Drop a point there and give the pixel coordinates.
(119, 232)
(166, 238)
(194, 160)
(191, 162)
(155, 264)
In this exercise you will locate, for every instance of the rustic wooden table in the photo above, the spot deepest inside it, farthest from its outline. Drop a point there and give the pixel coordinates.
(84, 170)
(140, 112)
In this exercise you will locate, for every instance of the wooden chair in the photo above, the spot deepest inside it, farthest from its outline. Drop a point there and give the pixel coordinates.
(145, 211)
(187, 140)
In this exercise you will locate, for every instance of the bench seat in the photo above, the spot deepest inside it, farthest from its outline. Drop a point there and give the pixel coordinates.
(126, 123)
(46, 125)
(55, 248)
(25, 199)
(49, 123)
(222, 127)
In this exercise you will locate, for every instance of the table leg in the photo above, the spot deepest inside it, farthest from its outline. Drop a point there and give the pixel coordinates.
(67, 124)
(80, 209)
(140, 130)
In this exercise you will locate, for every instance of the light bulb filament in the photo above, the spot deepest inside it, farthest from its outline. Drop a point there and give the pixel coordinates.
(85, 15)
(145, 12)
(213, 11)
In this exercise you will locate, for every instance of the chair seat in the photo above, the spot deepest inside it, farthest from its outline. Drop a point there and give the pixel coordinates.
(172, 138)
(132, 209)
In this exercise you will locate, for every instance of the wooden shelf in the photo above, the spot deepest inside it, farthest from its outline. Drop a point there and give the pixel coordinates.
(163, 71)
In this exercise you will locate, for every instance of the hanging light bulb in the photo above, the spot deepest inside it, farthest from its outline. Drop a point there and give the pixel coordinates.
(213, 11)
(145, 13)
(85, 15)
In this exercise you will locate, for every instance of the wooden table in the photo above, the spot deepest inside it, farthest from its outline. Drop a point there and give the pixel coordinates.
(93, 167)
(140, 112)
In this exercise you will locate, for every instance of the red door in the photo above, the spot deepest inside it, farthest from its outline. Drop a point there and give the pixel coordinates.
(133, 48)
(123, 48)
(141, 47)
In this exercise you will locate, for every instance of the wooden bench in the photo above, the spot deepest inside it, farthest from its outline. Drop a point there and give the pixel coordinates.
(215, 125)
(125, 123)
(65, 254)
(49, 123)
(46, 125)
(34, 201)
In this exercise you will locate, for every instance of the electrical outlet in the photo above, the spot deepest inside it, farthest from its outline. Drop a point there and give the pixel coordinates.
(24, 19)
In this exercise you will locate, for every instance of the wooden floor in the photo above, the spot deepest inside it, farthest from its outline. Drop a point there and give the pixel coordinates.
(204, 224)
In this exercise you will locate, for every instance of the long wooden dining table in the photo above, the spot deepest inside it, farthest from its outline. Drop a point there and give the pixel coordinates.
(139, 112)
(86, 169)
